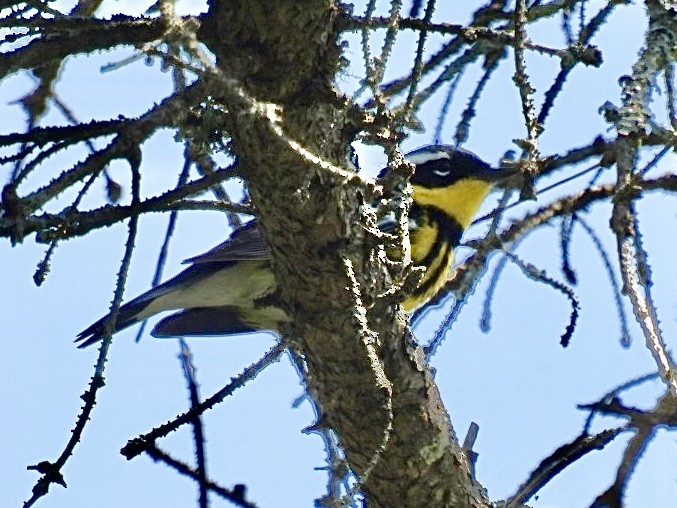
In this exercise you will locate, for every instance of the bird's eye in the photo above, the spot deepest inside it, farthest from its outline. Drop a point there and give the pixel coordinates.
(442, 171)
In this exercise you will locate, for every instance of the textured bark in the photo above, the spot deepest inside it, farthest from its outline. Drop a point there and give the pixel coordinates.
(286, 53)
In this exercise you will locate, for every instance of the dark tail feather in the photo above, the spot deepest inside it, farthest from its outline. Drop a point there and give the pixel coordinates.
(202, 321)
(133, 311)
(127, 316)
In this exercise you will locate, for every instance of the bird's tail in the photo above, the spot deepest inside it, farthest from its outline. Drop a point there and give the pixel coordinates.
(128, 315)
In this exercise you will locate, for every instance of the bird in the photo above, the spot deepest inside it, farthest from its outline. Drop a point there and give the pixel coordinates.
(226, 290)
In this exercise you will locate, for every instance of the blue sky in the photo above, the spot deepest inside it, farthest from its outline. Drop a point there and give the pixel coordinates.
(515, 381)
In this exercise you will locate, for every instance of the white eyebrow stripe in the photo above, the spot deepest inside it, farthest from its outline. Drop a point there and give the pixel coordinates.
(423, 157)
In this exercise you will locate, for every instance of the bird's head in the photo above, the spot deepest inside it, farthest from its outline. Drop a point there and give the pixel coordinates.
(453, 180)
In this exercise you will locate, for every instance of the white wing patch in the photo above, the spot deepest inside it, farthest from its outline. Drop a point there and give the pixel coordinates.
(427, 156)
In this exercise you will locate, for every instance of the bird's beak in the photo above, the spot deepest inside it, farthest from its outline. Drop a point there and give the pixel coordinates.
(497, 175)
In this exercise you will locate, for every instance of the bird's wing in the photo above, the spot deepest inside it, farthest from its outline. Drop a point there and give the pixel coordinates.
(245, 243)
(202, 321)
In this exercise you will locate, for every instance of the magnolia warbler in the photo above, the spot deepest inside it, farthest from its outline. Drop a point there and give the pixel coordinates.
(224, 290)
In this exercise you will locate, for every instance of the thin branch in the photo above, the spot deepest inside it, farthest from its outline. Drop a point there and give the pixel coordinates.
(140, 444)
(392, 30)
(71, 223)
(52, 472)
(369, 340)
(40, 136)
(463, 127)
(444, 111)
(485, 320)
(631, 121)
(169, 232)
(559, 460)
(63, 37)
(670, 97)
(615, 286)
(565, 236)
(644, 308)
(170, 111)
(572, 56)
(539, 275)
(188, 368)
(418, 61)
(645, 423)
(521, 79)
(234, 495)
(602, 405)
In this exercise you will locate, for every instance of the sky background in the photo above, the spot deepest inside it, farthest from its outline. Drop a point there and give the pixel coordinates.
(515, 381)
